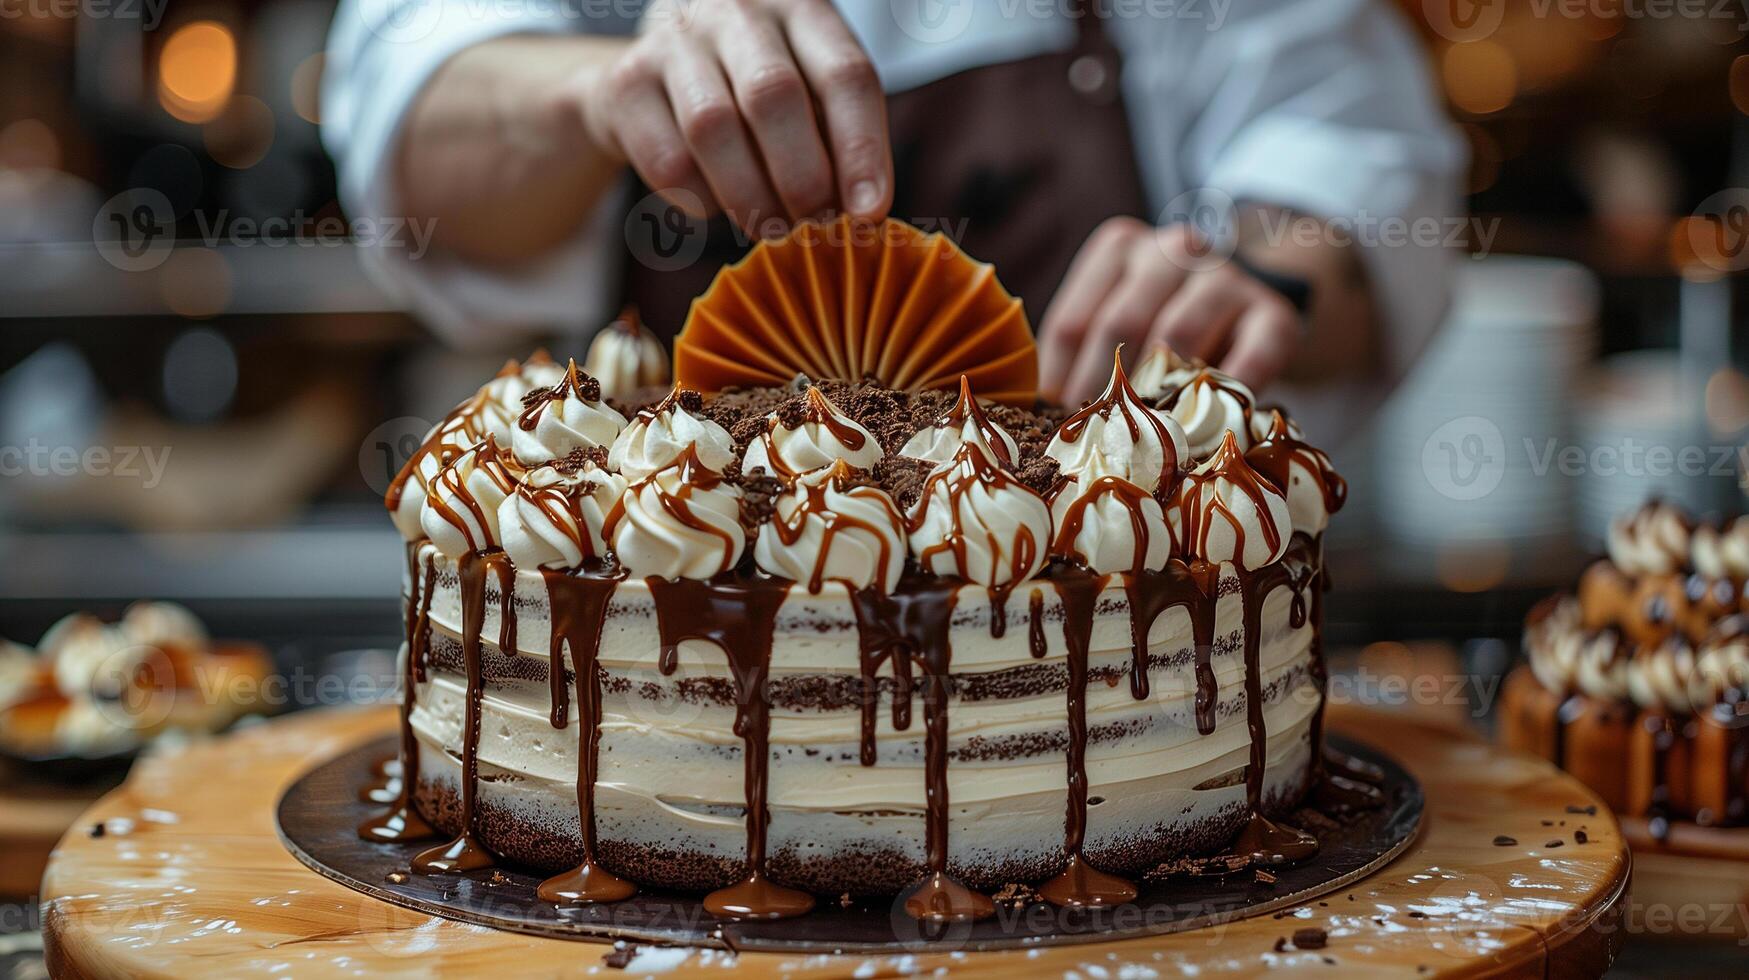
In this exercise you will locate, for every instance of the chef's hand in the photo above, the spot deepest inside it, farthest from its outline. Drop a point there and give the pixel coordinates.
(1136, 284)
(760, 108)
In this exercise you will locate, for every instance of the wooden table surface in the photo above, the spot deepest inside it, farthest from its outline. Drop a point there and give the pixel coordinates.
(188, 879)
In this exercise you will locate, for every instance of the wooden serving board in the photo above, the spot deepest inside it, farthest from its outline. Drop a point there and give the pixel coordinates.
(188, 878)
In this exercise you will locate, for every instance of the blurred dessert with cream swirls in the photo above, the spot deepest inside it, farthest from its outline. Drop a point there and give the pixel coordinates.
(1638, 683)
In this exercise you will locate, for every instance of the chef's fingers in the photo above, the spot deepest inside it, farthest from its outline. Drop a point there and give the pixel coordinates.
(641, 124)
(775, 103)
(1096, 269)
(848, 90)
(1124, 317)
(1197, 320)
(1263, 340)
(709, 121)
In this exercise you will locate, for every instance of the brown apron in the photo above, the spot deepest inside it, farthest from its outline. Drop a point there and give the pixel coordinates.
(1017, 162)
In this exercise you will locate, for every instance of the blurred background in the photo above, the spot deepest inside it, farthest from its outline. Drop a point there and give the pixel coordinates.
(1601, 311)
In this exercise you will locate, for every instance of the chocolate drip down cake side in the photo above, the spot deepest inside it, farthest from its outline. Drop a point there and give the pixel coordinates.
(848, 609)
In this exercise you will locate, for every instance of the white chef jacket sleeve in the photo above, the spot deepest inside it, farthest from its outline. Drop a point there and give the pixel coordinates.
(380, 55)
(1321, 106)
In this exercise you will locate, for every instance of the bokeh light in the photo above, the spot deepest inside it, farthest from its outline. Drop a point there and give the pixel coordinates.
(1739, 82)
(1727, 402)
(241, 135)
(29, 144)
(306, 88)
(1480, 76)
(1476, 565)
(195, 283)
(197, 69)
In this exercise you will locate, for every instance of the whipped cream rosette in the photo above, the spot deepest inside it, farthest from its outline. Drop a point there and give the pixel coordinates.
(828, 528)
(966, 422)
(812, 438)
(975, 521)
(1228, 512)
(462, 503)
(1162, 371)
(1209, 406)
(1653, 540)
(566, 417)
(683, 521)
(1114, 457)
(1721, 553)
(625, 356)
(662, 433)
(556, 516)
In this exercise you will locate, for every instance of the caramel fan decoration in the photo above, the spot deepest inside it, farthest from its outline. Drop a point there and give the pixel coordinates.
(847, 300)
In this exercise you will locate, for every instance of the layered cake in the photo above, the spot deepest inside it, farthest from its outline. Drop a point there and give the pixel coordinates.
(820, 618)
(1639, 683)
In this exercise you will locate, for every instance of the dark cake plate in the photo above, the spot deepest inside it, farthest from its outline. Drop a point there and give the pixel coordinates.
(319, 814)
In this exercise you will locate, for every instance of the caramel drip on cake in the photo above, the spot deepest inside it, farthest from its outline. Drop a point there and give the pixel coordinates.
(960, 480)
(451, 438)
(789, 530)
(1079, 883)
(1263, 840)
(739, 616)
(465, 853)
(560, 501)
(402, 822)
(912, 625)
(579, 609)
(1275, 456)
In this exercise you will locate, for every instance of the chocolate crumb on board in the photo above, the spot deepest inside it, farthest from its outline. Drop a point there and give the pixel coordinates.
(1281, 944)
(1310, 937)
(1590, 811)
(845, 901)
(1580, 837)
(1504, 841)
(1417, 915)
(1263, 877)
(1557, 842)
(98, 829)
(620, 956)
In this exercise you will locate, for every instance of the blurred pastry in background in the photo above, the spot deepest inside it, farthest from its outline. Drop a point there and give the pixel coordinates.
(1639, 683)
(93, 688)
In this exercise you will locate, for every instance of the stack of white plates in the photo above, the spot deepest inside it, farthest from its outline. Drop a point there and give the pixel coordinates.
(1468, 452)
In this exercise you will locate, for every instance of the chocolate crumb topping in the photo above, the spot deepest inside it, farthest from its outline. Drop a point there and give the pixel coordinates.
(902, 477)
(759, 493)
(1014, 895)
(690, 400)
(580, 457)
(1579, 837)
(620, 957)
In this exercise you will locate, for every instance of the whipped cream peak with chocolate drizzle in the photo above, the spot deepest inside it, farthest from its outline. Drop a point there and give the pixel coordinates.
(567, 416)
(625, 356)
(1228, 512)
(1303, 474)
(965, 422)
(1653, 540)
(1210, 405)
(1117, 434)
(659, 436)
(462, 502)
(682, 521)
(975, 521)
(830, 527)
(1162, 371)
(1722, 552)
(812, 438)
(555, 518)
(1109, 524)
